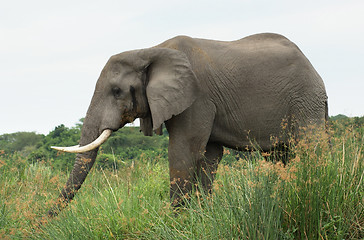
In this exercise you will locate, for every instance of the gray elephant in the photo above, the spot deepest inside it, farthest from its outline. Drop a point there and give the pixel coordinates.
(209, 94)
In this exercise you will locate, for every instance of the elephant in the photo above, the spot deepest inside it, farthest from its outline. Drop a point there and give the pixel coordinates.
(209, 95)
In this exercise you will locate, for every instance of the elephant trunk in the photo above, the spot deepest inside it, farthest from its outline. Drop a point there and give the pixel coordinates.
(81, 168)
(83, 164)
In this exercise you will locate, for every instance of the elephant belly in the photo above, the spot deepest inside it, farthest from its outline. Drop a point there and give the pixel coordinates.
(248, 134)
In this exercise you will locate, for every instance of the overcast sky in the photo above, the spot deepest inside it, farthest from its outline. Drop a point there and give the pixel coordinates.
(52, 52)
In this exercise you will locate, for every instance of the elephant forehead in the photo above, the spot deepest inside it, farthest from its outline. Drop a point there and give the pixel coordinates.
(117, 74)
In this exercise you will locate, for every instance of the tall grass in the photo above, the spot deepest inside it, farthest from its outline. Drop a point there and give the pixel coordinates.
(25, 192)
(317, 195)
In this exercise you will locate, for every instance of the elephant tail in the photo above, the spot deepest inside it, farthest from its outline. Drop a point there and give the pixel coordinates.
(326, 113)
(327, 124)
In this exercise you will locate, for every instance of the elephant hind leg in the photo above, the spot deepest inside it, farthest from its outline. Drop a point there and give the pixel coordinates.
(208, 164)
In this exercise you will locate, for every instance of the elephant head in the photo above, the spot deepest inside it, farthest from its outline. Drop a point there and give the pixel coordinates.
(151, 84)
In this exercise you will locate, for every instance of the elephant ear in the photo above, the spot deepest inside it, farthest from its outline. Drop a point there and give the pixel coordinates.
(171, 85)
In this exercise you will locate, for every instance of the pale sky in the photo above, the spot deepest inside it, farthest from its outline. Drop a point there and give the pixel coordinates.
(52, 52)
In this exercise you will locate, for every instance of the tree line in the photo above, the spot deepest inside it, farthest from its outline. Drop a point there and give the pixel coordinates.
(124, 145)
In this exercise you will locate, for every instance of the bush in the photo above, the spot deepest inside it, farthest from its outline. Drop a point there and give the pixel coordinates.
(38, 156)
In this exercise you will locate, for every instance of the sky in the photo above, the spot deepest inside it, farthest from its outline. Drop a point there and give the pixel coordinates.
(52, 52)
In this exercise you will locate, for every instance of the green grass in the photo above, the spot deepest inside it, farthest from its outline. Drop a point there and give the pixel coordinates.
(318, 195)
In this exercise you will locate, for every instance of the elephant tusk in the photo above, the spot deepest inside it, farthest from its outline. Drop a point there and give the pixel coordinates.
(77, 149)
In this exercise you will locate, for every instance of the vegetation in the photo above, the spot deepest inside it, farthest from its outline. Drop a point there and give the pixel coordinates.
(317, 195)
(126, 144)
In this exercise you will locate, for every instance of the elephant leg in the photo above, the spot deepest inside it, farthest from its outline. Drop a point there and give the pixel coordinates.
(207, 166)
(189, 133)
(181, 181)
(183, 157)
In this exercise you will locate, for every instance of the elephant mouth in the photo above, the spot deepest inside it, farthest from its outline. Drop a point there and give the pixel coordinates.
(91, 146)
(128, 117)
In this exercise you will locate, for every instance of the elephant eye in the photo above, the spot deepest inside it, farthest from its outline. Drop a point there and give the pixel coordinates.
(117, 92)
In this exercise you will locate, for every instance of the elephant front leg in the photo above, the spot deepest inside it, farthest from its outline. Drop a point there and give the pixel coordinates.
(184, 153)
(181, 182)
(207, 166)
(189, 133)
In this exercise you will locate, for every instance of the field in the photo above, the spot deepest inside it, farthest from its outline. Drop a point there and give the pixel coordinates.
(317, 195)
